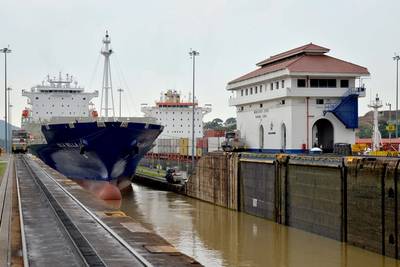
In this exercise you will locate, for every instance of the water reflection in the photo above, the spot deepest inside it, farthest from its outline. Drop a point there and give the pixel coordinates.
(217, 236)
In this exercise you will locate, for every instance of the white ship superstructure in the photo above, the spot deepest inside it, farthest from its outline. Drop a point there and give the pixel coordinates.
(176, 117)
(57, 98)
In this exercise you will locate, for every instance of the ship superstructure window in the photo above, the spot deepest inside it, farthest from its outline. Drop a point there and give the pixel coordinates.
(344, 83)
(261, 105)
(261, 88)
(277, 85)
(272, 86)
(320, 101)
(283, 84)
(256, 90)
(301, 83)
(241, 92)
(251, 90)
(323, 83)
(247, 91)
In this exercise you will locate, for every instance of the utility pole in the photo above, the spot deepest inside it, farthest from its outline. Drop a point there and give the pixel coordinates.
(5, 50)
(120, 90)
(193, 54)
(397, 58)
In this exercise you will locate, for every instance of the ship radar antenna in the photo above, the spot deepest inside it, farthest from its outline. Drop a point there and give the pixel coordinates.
(107, 92)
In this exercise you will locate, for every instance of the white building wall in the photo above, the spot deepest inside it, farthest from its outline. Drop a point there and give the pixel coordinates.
(293, 114)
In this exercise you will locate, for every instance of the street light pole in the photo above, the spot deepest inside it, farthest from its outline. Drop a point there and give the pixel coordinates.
(397, 58)
(120, 92)
(9, 118)
(193, 54)
(5, 50)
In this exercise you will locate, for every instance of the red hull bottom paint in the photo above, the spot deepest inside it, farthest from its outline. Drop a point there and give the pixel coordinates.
(103, 189)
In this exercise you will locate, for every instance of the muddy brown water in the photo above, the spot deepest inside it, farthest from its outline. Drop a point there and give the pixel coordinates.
(216, 236)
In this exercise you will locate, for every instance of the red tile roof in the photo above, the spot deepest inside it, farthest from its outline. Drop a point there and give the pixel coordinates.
(308, 58)
(308, 48)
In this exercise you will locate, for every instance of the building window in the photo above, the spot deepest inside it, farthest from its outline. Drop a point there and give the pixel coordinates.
(241, 92)
(323, 83)
(251, 90)
(247, 91)
(272, 86)
(277, 85)
(301, 83)
(320, 101)
(283, 84)
(344, 83)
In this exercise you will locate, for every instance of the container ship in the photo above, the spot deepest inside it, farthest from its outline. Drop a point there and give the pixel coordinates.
(101, 153)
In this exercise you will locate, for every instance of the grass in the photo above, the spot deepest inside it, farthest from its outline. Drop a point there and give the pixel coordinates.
(3, 166)
(150, 172)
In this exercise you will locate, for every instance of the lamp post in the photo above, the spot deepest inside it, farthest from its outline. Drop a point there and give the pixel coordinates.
(5, 50)
(193, 54)
(9, 118)
(397, 58)
(120, 93)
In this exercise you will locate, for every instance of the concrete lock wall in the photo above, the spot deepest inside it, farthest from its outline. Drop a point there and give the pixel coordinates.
(350, 199)
(215, 180)
(372, 204)
(258, 187)
(313, 195)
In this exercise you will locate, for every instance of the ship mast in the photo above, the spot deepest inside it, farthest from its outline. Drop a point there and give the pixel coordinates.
(376, 135)
(107, 83)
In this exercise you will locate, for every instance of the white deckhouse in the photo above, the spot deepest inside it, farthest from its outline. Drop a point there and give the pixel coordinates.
(176, 117)
(298, 99)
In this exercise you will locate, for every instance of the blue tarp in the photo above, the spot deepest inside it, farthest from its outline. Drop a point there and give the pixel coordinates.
(347, 111)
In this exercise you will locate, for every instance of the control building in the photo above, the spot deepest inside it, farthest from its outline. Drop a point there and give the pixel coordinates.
(298, 99)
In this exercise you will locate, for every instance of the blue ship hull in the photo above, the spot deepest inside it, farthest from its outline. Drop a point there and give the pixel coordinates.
(107, 151)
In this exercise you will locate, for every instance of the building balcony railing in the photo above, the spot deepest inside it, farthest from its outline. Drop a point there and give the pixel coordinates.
(295, 92)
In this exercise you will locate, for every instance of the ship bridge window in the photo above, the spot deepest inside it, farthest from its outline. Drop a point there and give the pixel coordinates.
(344, 83)
(301, 83)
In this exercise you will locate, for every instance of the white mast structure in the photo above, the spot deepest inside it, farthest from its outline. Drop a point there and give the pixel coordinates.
(107, 83)
(376, 135)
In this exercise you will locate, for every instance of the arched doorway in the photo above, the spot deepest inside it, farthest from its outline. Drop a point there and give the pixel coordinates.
(261, 137)
(322, 135)
(283, 136)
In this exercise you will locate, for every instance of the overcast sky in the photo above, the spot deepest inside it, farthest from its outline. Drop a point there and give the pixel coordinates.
(151, 40)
